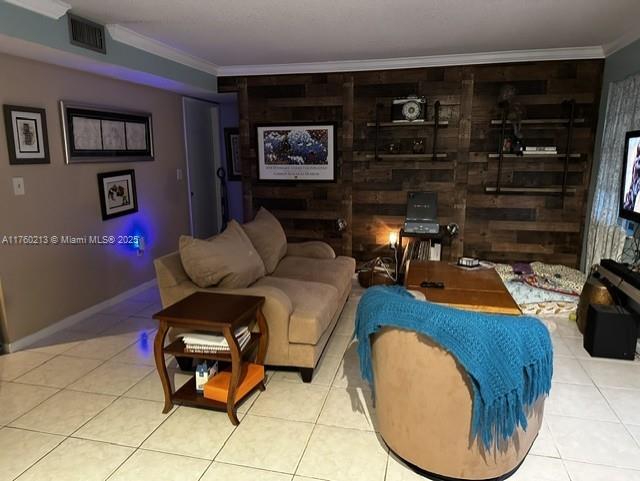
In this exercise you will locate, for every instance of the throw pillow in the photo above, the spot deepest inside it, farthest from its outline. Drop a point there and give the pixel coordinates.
(226, 260)
(268, 237)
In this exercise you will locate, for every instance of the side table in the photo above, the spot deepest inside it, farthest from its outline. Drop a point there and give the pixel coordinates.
(215, 313)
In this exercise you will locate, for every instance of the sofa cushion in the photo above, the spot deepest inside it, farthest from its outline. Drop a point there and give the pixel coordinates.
(311, 249)
(337, 272)
(268, 237)
(314, 305)
(227, 260)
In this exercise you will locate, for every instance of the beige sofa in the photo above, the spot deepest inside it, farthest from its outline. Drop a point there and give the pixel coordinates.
(424, 408)
(304, 296)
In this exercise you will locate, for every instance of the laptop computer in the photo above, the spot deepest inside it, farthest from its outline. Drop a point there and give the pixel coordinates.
(422, 213)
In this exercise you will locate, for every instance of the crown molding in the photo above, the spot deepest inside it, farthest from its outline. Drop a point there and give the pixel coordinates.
(129, 37)
(49, 8)
(621, 42)
(133, 39)
(509, 56)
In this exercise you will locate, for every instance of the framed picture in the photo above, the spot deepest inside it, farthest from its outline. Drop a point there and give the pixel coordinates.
(26, 129)
(117, 193)
(101, 134)
(297, 152)
(232, 146)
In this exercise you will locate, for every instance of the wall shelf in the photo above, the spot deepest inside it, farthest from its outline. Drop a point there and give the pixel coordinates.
(534, 156)
(431, 123)
(563, 122)
(566, 123)
(529, 190)
(440, 155)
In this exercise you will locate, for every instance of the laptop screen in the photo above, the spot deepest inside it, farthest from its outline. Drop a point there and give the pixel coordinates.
(422, 207)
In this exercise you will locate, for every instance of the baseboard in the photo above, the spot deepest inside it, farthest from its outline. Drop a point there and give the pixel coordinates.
(75, 318)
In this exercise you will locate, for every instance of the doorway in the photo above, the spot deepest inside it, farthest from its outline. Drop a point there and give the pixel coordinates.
(202, 146)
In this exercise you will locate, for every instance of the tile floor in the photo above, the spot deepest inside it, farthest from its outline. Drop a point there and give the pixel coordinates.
(86, 404)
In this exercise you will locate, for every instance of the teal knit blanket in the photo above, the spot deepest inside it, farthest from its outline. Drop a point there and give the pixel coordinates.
(508, 358)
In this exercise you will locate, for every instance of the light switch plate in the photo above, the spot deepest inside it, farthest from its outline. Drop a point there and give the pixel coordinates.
(18, 186)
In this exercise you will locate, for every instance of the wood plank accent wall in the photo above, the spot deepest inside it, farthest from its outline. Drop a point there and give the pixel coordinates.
(371, 194)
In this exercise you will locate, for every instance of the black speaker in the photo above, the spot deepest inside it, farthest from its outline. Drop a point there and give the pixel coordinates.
(610, 332)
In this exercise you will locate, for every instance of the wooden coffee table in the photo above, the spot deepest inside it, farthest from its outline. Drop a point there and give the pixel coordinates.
(216, 313)
(477, 290)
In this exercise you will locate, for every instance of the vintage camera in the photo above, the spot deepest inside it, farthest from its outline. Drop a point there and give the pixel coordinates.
(409, 109)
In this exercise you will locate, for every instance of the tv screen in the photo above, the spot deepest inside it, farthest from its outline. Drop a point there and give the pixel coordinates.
(630, 188)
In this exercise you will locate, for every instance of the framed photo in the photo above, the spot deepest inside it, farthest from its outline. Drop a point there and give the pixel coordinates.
(26, 129)
(232, 146)
(100, 134)
(117, 193)
(297, 152)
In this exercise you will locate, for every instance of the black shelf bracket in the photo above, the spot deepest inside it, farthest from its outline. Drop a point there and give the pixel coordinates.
(377, 133)
(436, 122)
(503, 127)
(565, 172)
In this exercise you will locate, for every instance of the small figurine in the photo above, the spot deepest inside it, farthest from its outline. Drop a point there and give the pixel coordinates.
(515, 115)
(418, 146)
(202, 376)
(506, 94)
(507, 145)
(518, 147)
(204, 372)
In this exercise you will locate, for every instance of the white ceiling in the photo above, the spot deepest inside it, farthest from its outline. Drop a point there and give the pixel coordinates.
(235, 33)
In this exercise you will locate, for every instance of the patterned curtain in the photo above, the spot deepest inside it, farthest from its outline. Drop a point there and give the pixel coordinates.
(606, 236)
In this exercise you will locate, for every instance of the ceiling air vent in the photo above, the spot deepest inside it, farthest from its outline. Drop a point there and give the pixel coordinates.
(87, 34)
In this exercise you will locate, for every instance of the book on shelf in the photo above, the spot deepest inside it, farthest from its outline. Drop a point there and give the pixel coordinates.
(212, 343)
(217, 388)
(435, 252)
(540, 148)
(423, 250)
(206, 349)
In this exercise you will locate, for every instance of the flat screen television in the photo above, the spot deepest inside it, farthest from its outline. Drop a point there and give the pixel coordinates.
(630, 182)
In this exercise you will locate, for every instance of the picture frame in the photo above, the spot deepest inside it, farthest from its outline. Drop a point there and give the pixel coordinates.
(118, 195)
(297, 152)
(232, 148)
(27, 137)
(102, 134)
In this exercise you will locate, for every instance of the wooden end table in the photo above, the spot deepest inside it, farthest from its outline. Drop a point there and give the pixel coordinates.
(216, 313)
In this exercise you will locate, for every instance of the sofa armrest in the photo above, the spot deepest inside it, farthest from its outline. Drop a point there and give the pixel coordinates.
(169, 270)
(312, 249)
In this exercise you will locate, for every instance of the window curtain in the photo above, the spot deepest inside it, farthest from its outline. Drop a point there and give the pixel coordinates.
(606, 237)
